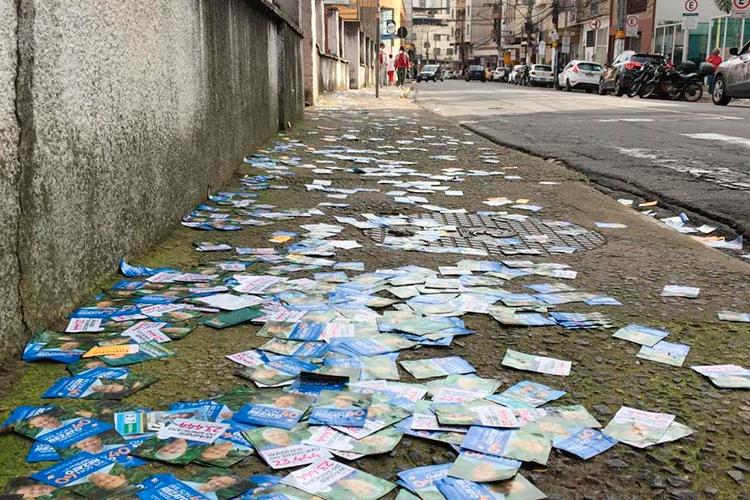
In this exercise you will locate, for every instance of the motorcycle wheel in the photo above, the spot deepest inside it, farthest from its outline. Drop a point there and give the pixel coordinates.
(674, 93)
(693, 92)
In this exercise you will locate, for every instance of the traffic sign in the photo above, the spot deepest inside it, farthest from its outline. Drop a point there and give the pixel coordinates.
(390, 26)
(741, 8)
(554, 36)
(632, 22)
(595, 24)
(402, 32)
(691, 5)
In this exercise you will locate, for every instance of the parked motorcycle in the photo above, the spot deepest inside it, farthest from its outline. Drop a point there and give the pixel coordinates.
(687, 82)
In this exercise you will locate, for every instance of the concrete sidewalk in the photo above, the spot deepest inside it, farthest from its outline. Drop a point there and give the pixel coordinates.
(633, 265)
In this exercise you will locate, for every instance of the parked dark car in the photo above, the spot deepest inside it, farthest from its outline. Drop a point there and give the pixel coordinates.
(476, 72)
(618, 76)
(732, 79)
(430, 72)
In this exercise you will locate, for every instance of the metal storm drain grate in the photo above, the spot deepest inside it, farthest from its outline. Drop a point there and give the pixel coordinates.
(495, 234)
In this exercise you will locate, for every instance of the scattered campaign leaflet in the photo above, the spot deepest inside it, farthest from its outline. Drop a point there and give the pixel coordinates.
(348, 409)
(638, 428)
(482, 468)
(513, 444)
(736, 317)
(282, 449)
(460, 489)
(640, 334)
(92, 476)
(193, 430)
(228, 449)
(281, 410)
(92, 387)
(533, 363)
(421, 480)
(333, 480)
(437, 367)
(478, 412)
(665, 352)
(726, 376)
(526, 394)
(689, 292)
(586, 443)
(461, 388)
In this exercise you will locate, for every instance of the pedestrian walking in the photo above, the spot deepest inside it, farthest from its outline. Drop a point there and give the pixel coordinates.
(383, 70)
(391, 67)
(402, 65)
(715, 60)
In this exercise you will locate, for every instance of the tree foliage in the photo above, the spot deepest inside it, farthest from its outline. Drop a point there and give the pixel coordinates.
(724, 5)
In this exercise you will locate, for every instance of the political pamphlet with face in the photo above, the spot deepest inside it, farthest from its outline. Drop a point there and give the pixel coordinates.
(638, 428)
(586, 443)
(518, 445)
(526, 394)
(477, 412)
(421, 480)
(347, 409)
(437, 367)
(281, 410)
(640, 334)
(282, 449)
(332, 480)
(483, 468)
(539, 364)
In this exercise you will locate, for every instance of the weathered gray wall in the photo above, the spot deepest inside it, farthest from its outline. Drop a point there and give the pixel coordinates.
(134, 109)
(333, 74)
(10, 317)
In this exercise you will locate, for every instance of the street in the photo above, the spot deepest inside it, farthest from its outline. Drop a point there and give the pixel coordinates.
(692, 157)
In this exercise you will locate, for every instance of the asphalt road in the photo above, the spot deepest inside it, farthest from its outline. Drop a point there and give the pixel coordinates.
(691, 156)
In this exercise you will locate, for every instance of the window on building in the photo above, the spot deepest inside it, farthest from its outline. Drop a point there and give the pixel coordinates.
(437, 51)
(449, 52)
(590, 38)
(436, 37)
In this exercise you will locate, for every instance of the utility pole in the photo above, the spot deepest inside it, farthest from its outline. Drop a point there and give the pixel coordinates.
(377, 60)
(555, 56)
(528, 27)
(622, 9)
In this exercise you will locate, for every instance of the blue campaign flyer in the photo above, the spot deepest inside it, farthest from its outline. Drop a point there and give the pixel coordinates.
(35, 351)
(23, 413)
(72, 471)
(422, 479)
(347, 409)
(288, 364)
(307, 331)
(460, 489)
(121, 453)
(105, 372)
(41, 452)
(71, 387)
(166, 487)
(74, 431)
(204, 410)
(586, 443)
(486, 440)
(268, 415)
(313, 383)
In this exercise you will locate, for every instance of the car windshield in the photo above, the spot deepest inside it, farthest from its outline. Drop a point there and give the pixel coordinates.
(589, 67)
(539, 67)
(476, 68)
(430, 67)
(648, 58)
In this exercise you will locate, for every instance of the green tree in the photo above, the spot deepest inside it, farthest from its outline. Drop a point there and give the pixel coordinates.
(725, 5)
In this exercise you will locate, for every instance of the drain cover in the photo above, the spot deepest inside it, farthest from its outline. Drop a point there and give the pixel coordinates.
(497, 234)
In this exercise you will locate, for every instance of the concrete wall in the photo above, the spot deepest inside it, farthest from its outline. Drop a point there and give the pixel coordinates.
(10, 317)
(129, 111)
(333, 73)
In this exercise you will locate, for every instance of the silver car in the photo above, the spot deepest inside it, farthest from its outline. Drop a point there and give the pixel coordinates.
(733, 77)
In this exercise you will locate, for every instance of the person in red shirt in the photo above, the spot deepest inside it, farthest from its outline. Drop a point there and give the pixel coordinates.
(714, 59)
(402, 64)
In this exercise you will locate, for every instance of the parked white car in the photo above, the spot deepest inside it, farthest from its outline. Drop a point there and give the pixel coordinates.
(583, 75)
(541, 74)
